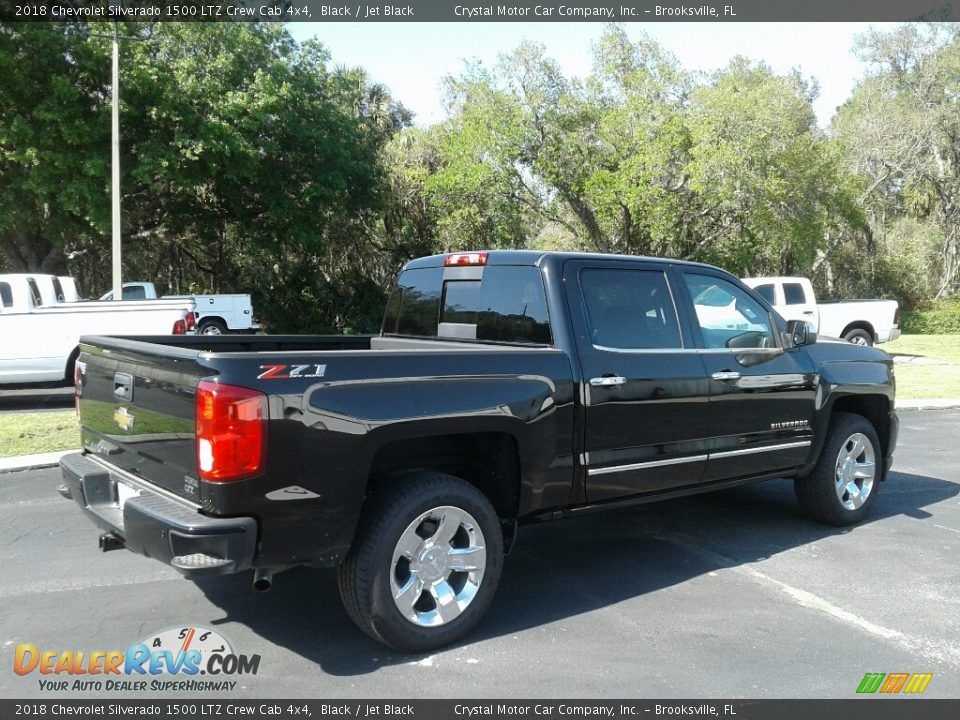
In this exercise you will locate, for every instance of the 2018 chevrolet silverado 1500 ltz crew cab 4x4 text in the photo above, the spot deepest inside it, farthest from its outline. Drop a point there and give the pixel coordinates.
(505, 387)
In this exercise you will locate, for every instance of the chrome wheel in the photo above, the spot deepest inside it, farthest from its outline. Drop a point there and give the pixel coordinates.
(856, 471)
(437, 567)
(858, 340)
(211, 330)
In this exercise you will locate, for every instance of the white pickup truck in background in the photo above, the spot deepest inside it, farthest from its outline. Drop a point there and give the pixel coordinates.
(41, 323)
(862, 322)
(216, 314)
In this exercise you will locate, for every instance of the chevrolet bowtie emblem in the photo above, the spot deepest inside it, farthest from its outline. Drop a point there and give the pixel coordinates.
(123, 418)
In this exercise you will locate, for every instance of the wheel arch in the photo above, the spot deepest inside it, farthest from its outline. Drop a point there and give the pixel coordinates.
(875, 408)
(860, 325)
(71, 363)
(488, 460)
(207, 318)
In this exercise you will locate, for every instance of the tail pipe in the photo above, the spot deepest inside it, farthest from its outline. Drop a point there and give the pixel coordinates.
(262, 580)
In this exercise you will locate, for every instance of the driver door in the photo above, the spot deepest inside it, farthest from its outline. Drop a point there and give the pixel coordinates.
(761, 396)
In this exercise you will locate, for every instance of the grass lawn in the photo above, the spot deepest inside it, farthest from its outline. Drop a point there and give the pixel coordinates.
(41, 432)
(918, 379)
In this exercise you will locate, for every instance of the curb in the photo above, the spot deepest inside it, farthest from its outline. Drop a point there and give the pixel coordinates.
(929, 404)
(32, 462)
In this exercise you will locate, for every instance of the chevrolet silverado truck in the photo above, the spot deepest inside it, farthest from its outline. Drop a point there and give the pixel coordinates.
(506, 387)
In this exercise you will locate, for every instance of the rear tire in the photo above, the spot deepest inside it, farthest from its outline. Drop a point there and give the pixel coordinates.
(426, 563)
(214, 326)
(859, 337)
(844, 483)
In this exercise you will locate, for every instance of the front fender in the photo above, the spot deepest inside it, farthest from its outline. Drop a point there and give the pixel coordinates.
(867, 387)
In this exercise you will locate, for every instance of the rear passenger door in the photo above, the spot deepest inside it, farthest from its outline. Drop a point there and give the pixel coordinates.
(645, 395)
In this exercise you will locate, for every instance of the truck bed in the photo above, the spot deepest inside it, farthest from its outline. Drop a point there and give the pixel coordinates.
(138, 402)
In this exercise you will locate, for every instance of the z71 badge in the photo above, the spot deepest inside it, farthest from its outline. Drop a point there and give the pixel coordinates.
(288, 372)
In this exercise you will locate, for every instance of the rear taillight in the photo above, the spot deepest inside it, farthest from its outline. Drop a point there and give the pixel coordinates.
(191, 321)
(180, 327)
(77, 386)
(231, 432)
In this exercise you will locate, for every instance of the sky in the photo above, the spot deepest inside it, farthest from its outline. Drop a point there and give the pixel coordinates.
(412, 58)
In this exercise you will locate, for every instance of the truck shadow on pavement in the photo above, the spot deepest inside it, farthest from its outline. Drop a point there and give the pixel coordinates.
(563, 569)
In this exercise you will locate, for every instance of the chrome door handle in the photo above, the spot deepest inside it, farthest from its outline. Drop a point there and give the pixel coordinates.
(608, 381)
(726, 375)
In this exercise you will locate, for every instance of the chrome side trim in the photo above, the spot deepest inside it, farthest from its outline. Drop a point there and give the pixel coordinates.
(696, 458)
(767, 448)
(695, 351)
(644, 465)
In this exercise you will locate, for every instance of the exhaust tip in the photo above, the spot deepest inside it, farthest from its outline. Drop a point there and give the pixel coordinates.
(262, 580)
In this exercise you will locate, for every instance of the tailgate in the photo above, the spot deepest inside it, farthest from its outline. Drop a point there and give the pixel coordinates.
(136, 403)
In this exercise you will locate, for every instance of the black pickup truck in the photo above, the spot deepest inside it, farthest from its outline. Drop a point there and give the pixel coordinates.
(506, 387)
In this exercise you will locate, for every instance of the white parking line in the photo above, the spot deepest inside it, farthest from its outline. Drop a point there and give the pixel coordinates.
(931, 649)
(54, 586)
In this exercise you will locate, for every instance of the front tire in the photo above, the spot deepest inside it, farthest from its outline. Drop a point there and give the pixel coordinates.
(426, 563)
(843, 485)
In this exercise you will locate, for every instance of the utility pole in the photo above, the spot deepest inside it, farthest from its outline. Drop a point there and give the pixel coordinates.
(115, 149)
(115, 165)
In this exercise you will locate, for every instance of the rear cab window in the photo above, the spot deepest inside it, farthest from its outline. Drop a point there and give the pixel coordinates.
(793, 294)
(494, 303)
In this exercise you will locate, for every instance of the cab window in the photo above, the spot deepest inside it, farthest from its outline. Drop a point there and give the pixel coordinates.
(504, 304)
(767, 292)
(34, 292)
(629, 309)
(727, 315)
(793, 294)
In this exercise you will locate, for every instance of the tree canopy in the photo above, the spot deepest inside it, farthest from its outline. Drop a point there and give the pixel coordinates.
(251, 163)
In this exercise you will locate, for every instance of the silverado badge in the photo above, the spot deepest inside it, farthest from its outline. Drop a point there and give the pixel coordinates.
(123, 418)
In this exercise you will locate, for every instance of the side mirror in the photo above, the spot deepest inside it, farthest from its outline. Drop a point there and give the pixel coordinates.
(798, 334)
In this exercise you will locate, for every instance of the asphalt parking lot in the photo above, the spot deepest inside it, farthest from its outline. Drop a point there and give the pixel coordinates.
(727, 595)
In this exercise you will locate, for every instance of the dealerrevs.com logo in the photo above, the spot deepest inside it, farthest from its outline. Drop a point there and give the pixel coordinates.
(182, 652)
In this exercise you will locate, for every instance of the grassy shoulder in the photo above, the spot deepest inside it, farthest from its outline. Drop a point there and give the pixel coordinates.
(928, 366)
(40, 432)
